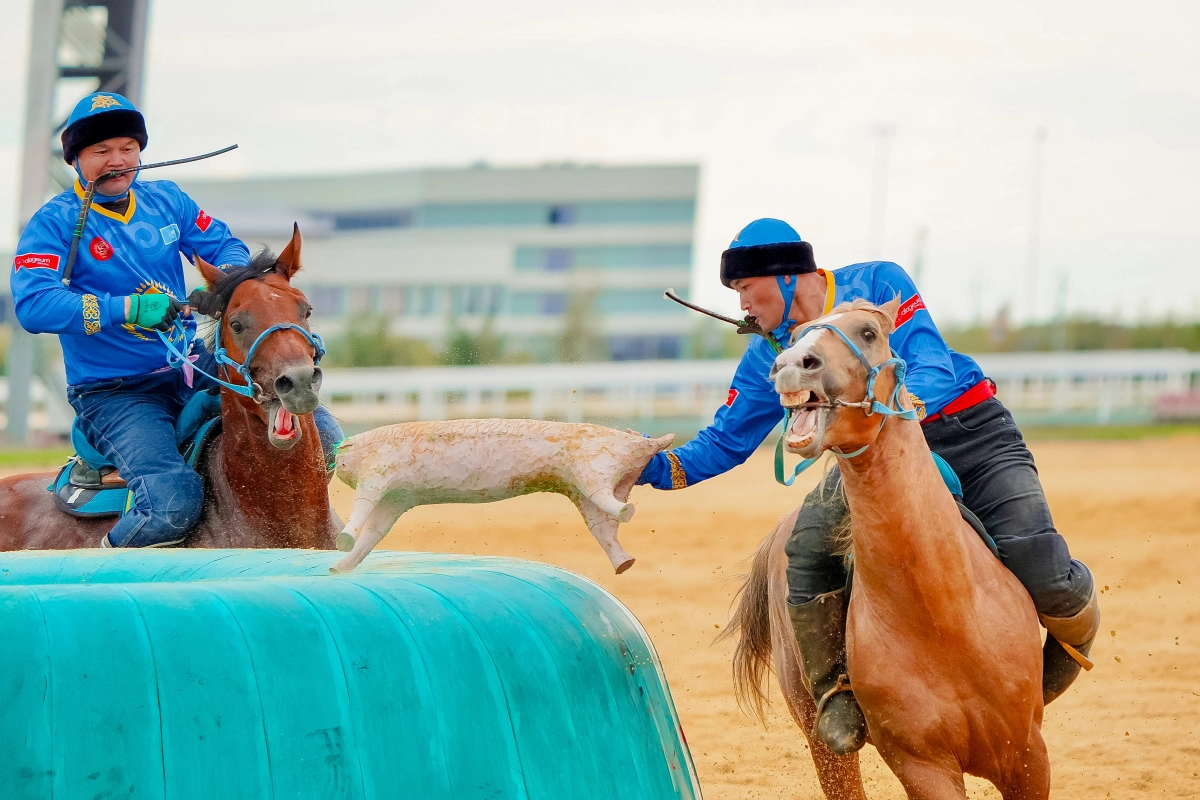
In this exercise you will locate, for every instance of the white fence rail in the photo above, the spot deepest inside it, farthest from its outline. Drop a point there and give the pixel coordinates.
(1098, 387)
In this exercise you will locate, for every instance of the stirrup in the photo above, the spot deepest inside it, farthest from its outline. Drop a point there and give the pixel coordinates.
(842, 685)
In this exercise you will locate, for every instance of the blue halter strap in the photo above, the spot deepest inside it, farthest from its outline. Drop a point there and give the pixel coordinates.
(176, 357)
(868, 404)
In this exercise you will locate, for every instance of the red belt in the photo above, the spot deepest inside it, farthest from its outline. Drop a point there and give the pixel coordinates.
(981, 391)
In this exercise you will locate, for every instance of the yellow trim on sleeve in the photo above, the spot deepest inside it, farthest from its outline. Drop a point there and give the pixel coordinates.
(104, 212)
(830, 290)
(678, 476)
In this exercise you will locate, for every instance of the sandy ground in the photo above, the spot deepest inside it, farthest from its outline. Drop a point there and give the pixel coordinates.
(1131, 510)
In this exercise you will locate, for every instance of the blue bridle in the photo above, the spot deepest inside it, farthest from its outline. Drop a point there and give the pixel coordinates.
(176, 358)
(868, 404)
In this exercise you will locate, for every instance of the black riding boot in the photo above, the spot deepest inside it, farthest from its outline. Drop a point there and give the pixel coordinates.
(1068, 643)
(820, 627)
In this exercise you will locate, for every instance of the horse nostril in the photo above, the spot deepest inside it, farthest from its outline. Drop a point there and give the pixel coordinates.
(284, 385)
(317, 377)
(810, 362)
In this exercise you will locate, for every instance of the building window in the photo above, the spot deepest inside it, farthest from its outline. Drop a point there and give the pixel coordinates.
(370, 220)
(391, 301)
(644, 348)
(360, 300)
(327, 300)
(552, 304)
(558, 259)
(563, 214)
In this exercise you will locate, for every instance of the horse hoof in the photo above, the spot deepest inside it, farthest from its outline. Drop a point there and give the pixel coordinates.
(624, 565)
(344, 542)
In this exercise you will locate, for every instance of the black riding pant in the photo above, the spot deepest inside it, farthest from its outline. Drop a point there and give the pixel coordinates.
(1000, 484)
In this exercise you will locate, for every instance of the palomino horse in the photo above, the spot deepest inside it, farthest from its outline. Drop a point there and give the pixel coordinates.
(943, 643)
(262, 489)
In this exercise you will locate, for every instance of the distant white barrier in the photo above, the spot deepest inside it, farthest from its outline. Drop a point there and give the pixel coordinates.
(1101, 387)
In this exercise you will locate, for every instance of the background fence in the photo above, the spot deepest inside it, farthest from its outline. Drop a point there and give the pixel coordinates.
(1097, 387)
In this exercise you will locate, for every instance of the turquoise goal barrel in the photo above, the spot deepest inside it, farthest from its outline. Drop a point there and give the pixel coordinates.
(207, 674)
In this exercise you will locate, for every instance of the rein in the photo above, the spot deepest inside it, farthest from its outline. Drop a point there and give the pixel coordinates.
(176, 359)
(868, 404)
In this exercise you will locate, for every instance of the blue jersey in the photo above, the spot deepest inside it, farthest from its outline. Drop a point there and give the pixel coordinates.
(137, 252)
(936, 376)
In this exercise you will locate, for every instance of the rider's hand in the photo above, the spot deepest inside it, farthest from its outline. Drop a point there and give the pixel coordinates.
(152, 311)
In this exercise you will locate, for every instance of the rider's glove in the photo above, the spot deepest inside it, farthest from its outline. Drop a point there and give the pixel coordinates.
(153, 311)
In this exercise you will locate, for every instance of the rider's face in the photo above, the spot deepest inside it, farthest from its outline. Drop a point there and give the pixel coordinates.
(760, 298)
(120, 152)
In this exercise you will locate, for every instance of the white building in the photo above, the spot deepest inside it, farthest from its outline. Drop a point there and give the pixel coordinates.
(527, 252)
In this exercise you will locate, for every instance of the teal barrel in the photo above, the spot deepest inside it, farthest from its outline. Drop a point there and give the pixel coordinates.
(189, 674)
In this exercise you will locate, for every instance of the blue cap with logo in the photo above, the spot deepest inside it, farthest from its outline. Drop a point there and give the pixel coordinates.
(766, 248)
(100, 116)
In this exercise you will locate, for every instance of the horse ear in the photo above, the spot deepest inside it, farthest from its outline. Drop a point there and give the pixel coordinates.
(210, 273)
(889, 310)
(289, 260)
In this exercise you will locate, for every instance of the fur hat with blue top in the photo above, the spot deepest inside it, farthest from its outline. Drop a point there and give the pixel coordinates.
(100, 116)
(766, 248)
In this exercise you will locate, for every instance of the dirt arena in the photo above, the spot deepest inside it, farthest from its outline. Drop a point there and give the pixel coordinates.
(1131, 510)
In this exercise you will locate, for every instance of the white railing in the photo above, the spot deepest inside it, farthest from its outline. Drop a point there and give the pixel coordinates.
(1098, 387)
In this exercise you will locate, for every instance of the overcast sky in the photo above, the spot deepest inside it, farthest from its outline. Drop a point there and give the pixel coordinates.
(779, 103)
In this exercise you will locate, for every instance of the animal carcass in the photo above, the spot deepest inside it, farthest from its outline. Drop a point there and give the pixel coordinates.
(399, 467)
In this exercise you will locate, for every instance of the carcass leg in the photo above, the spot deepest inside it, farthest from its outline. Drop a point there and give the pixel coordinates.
(604, 528)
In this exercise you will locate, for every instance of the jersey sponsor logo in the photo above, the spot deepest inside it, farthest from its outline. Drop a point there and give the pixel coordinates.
(733, 395)
(203, 221)
(35, 261)
(104, 101)
(908, 309)
(101, 250)
(170, 233)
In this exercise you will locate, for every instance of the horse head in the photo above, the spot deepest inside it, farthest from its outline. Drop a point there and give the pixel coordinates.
(262, 325)
(827, 387)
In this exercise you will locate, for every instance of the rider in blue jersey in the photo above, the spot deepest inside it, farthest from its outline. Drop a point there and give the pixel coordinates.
(126, 286)
(780, 287)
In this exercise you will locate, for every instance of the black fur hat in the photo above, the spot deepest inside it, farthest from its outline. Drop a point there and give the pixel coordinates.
(100, 116)
(775, 258)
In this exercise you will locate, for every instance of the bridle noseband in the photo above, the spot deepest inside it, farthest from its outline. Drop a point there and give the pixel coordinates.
(177, 358)
(868, 404)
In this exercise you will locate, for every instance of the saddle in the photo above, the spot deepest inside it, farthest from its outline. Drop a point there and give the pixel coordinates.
(88, 485)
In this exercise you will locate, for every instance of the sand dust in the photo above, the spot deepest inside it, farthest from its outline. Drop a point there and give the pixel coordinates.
(1131, 510)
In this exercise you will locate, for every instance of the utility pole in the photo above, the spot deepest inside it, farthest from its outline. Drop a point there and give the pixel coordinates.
(100, 40)
(879, 191)
(1033, 245)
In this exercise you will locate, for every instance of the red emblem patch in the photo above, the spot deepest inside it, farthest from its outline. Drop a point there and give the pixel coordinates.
(101, 250)
(909, 308)
(35, 261)
(203, 221)
(733, 395)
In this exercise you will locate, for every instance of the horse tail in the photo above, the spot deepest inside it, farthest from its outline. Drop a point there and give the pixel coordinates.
(751, 623)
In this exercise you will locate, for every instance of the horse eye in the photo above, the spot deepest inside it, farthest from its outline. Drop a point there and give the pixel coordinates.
(868, 335)
(308, 312)
(236, 326)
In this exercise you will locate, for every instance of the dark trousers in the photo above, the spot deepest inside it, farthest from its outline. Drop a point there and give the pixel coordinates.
(1000, 485)
(131, 422)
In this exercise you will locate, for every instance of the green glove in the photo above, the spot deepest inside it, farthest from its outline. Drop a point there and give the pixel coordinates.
(153, 311)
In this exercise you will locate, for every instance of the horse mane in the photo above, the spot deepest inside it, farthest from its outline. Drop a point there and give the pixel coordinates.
(860, 304)
(213, 301)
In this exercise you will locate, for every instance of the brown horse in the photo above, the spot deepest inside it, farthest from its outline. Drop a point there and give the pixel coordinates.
(943, 643)
(260, 490)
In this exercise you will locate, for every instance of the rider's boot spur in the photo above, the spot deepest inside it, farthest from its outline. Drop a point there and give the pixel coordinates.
(1068, 643)
(820, 626)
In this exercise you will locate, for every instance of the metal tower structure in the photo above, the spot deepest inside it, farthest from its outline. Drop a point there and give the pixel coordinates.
(75, 47)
